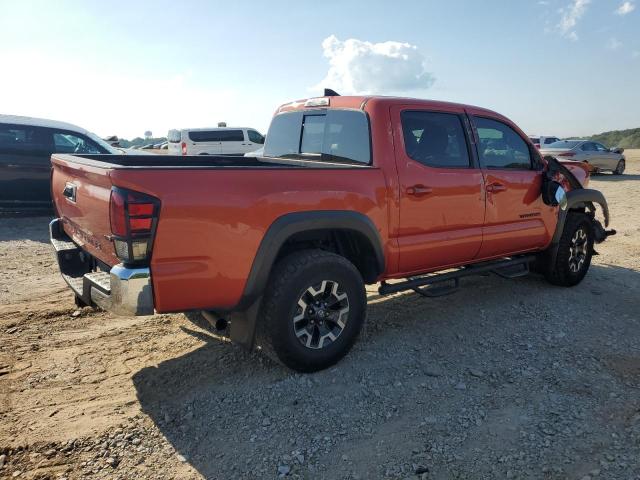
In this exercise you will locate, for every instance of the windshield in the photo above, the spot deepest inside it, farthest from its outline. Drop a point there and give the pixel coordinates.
(103, 144)
(568, 144)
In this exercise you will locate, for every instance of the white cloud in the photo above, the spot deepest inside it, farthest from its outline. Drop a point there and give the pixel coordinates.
(614, 43)
(360, 67)
(625, 7)
(569, 17)
(635, 54)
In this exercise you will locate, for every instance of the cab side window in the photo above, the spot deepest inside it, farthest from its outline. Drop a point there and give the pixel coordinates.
(255, 137)
(500, 147)
(67, 142)
(435, 139)
(588, 147)
(601, 148)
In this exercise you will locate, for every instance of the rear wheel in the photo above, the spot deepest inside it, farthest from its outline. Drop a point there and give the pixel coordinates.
(313, 310)
(619, 168)
(574, 252)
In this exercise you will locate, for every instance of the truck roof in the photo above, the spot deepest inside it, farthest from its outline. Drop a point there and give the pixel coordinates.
(40, 122)
(211, 129)
(359, 102)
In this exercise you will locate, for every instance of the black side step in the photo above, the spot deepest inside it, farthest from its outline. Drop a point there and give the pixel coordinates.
(502, 267)
(438, 290)
(514, 271)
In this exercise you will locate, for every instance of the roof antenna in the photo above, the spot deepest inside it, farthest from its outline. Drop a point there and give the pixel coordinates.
(330, 93)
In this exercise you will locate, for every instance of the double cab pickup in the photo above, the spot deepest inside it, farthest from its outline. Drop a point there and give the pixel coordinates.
(350, 190)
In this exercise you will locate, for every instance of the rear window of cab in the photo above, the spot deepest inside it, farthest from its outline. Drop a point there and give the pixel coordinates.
(338, 136)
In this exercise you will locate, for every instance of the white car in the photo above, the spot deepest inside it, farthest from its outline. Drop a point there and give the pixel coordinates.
(541, 141)
(214, 141)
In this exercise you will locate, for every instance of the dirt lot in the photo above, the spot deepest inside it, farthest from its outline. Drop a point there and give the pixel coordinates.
(506, 379)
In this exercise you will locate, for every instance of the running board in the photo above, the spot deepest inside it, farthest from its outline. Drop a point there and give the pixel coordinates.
(508, 268)
(514, 271)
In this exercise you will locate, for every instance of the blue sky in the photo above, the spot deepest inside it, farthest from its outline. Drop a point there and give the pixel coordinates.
(561, 67)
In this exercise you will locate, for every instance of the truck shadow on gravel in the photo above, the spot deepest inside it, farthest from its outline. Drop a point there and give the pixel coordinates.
(230, 412)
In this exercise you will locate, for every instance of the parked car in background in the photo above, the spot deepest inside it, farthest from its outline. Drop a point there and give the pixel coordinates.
(214, 141)
(540, 141)
(112, 140)
(598, 157)
(26, 145)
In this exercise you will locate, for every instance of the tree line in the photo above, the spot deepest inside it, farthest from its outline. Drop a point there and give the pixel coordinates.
(619, 138)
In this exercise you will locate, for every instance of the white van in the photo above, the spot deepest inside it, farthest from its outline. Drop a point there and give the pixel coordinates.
(214, 141)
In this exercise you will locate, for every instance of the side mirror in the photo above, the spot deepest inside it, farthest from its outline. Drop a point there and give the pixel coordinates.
(553, 194)
(561, 197)
(616, 150)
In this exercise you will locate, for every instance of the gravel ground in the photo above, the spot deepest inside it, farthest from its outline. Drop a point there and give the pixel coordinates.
(505, 379)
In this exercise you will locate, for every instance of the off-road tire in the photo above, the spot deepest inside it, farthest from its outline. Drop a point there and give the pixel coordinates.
(289, 282)
(619, 168)
(566, 271)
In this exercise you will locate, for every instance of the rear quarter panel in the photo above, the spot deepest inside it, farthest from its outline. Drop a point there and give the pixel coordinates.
(212, 222)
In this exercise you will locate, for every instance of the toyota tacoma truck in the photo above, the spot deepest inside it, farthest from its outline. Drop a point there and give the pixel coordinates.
(350, 190)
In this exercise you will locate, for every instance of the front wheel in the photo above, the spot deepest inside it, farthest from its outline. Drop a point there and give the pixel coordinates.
(574, 252)
(312, 311)
(619, 168)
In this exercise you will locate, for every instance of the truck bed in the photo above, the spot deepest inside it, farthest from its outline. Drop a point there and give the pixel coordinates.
(198, 161)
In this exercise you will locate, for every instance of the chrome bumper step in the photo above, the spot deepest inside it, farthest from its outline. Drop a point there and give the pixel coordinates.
(122, 290)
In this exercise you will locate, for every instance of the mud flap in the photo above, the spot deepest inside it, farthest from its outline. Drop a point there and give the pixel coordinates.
(242, 325)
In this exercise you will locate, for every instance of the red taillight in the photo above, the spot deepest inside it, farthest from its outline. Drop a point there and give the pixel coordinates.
(133, 217)
(184, 148)
(117, 213)
(567, 154)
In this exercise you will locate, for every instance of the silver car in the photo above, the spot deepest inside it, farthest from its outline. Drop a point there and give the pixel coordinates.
(597, 156)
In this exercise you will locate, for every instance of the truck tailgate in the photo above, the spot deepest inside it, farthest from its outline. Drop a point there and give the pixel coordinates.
(81, 196)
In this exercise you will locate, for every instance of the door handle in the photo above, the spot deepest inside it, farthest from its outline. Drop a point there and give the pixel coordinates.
(496, 187)
(418, 190)
(69, 191)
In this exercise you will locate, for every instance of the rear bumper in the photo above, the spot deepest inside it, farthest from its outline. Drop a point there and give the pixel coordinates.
(122, 290)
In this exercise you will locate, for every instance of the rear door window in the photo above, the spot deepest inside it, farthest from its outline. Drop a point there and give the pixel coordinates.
(25, 140)
(327, 135)
(435, 139)
(500, 147)
(211, 136)
(231, 135)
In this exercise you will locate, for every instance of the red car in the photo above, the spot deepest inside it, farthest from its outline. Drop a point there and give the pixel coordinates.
(350, 191)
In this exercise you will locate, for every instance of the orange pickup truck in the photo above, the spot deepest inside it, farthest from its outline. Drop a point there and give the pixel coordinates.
(350, 191)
